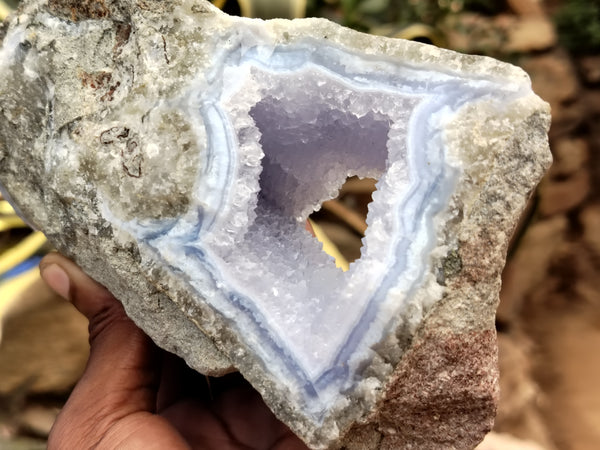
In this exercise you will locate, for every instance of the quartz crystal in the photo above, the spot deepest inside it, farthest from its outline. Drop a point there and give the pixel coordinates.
(175, 153)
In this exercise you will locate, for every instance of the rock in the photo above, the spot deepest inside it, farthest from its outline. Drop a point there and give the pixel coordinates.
(45, 347)
(22, 443)
(529, 265)
(589, 67)
(590, 219)
(503, 441)
(565, 329)
(175, 152)
(591, 99)
(529, 34)
(519, 413)
(518, 389)
(557, 197)
(500, 35)
(527, 7)
(473, 33)
(552, 76)
(424, 406)
(555, 80)
(37, 420)
(570, 155)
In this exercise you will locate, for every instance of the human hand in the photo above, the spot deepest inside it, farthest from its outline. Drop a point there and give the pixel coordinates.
(135, 395)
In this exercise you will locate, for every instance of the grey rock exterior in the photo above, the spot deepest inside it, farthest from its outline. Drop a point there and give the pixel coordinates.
(75, 75)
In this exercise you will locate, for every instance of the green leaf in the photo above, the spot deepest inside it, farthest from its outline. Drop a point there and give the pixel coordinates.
(373, 6)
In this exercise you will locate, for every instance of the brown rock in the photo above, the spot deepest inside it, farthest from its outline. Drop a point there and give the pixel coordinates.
(589, 67)
(554, 79)
(498, 441)
(526, 7)
(517, 389)
(529, 264)
(505, 33)
(558, 197)
(518, 412)
(570, 155)
(590, 219)
(21, 443)
(441, 391)
(44, 349)
(37, 420)
(567, 334)
(473, 33)
(529, 34)
(363, 437)
(567, 118)
(588, 290)
(591, 100)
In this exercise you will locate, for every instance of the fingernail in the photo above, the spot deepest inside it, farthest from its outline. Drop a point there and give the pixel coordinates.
(57, 279)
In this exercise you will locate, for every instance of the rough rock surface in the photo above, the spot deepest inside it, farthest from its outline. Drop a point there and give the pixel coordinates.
(99, 149)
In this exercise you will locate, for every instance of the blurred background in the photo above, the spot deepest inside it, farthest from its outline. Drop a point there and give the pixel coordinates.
(549, 317)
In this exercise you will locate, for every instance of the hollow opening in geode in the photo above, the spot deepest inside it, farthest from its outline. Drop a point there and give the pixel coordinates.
(310, 148)
(343, 219)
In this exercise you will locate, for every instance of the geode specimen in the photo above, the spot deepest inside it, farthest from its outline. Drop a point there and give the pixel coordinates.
(175, 152)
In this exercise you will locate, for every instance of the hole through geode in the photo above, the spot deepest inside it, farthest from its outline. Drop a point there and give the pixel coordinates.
(343, 219)
(310, 147)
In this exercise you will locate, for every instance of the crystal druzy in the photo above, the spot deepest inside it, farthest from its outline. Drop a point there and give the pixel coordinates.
(284, 128)
(175, 153)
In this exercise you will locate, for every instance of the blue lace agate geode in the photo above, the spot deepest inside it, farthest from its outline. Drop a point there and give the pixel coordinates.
(188, 152)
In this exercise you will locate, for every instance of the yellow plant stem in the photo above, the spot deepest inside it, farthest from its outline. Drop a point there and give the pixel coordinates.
(22, 251)
(5, 208)
(329, 247)
(10, 222)
(350, 217)
(12, 290)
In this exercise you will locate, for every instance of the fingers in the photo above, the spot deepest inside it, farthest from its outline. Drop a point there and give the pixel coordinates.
(112, 406)
(121, 376)
(68, 281)
(234, 417)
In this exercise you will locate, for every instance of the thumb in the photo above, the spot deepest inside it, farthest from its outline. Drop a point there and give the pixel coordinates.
(121, 377)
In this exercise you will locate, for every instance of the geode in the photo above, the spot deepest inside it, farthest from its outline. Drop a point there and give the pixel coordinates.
(175, 153)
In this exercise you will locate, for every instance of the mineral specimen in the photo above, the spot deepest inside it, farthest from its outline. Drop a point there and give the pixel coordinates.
(175, 152)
